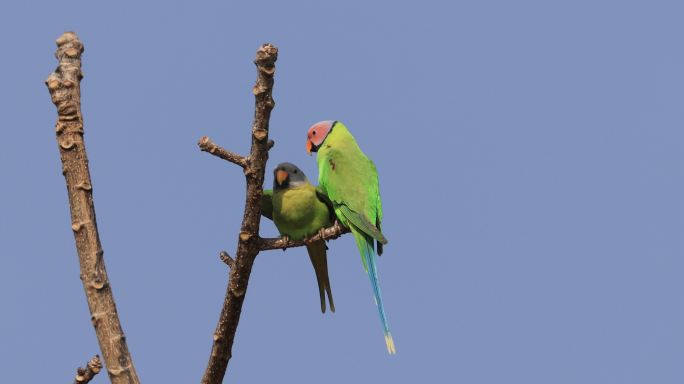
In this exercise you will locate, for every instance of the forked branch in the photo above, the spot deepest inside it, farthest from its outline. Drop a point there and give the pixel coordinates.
(248, 240)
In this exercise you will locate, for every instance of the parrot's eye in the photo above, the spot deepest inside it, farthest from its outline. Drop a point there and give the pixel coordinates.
(314, 132)
(296, 171)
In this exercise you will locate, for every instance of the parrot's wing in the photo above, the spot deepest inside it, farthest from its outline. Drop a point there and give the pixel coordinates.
(379, 245)
(378, 221)
(267, 203)
(363, 224)
(323, 197)
(351, 183)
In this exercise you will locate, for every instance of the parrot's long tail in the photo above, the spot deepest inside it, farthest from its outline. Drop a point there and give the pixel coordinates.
(365, 245)
(319, 260)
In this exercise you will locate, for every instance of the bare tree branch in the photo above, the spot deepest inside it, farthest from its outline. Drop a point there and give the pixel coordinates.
(248, 240)
(64, 87)
(207, 145)
(84, 375)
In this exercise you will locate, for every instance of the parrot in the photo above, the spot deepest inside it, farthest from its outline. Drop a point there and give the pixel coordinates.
(299, 210)
(350, 181)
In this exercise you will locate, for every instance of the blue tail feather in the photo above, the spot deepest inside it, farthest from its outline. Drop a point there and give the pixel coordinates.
(365, 245)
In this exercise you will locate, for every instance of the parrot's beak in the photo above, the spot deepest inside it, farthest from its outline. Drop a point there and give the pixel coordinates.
(309, 146)
(281, 176)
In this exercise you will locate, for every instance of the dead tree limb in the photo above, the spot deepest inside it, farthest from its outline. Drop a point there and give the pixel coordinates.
(84, 375)
(207, 145)
(65, 89)
(248, 240)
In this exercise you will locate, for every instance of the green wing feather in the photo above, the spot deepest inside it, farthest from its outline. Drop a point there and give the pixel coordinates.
(323, 197)
(267, 203)
(378, 223)
(363, 224)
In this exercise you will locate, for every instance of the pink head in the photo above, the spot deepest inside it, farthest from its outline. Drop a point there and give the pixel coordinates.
(317, 134)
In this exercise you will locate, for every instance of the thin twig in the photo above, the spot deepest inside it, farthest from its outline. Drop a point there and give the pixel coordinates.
(248, 243)
(225, 257)
(64, 87)
(207, 145)
(329, 233)
(84, 375)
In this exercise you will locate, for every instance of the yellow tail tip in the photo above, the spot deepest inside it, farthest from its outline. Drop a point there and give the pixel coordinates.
(390, 344)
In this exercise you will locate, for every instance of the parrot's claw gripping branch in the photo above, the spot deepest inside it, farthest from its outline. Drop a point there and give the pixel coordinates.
(84, 375)
(248, 247)
(332, 232)
(64, 85)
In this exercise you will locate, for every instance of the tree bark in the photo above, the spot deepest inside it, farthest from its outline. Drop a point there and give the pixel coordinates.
(64, 87)
(248, 239)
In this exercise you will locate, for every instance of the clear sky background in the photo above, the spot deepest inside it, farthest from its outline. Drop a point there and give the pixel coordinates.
(531, 168)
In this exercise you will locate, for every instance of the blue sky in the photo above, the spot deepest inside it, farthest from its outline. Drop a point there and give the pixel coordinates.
(531, 170)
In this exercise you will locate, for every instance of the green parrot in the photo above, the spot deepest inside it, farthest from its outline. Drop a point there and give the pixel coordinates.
(350, 181)
(299, 210)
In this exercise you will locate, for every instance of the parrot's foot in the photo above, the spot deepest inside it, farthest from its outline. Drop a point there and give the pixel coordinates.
(320, 233)
(338, 226)
(285, 239)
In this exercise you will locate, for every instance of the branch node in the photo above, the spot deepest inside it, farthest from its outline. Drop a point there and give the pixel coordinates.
(71, 52)
(84, 375)
(260, 134)
(270, 144)
(78, 226)
(67, 143)
(225, 257)
(118, 371)
(97, 316)
(259, 89)
(245, 236)
(98, 284)
(116, 338)
(52, 82)
(67, 37)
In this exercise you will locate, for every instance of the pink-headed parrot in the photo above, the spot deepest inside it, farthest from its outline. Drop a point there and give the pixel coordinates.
(350, 181)
(299, 210)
